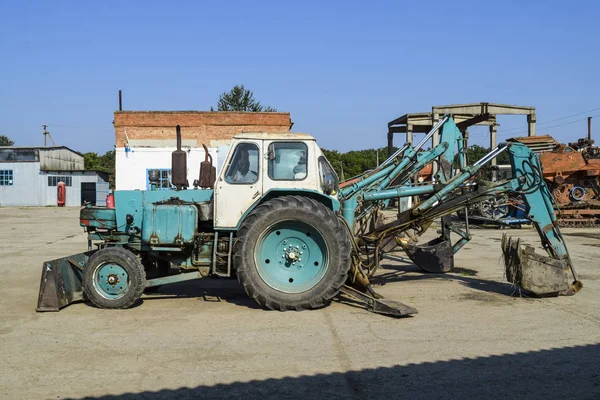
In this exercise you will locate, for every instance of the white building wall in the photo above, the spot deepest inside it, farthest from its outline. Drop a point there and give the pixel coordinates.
(131, 167)
(30, 185)
(73, 193)
(26, 189)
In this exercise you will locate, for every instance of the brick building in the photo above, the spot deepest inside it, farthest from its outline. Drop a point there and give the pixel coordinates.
(145, 139)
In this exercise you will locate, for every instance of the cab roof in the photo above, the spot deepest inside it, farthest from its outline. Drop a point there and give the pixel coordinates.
(274, 136)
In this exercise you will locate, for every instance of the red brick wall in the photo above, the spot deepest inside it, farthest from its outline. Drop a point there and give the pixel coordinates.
(203, 126)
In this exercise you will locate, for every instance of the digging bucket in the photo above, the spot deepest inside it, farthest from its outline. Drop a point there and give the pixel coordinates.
(535, 273)
(435, 256)
(61, 282)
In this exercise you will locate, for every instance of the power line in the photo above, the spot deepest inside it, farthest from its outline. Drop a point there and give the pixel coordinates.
(554, 120)
(556, 126)
(574, 115)
(572, 122)
(63, 126)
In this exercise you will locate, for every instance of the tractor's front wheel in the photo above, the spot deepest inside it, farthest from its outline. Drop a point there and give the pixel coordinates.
(113, 278)
(292, 253)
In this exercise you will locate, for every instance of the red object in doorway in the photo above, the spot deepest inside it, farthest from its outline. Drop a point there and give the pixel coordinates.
(61, 194)
(110, 201)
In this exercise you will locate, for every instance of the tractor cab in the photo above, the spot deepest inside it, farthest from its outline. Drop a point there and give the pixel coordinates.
(270, 164)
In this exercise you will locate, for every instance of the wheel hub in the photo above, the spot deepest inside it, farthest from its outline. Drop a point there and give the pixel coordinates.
(291, 257)
(111, 281)
(293, 253)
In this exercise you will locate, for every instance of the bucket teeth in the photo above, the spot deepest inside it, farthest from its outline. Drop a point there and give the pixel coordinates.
(535, 273)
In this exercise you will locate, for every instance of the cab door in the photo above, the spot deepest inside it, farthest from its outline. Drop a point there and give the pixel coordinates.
(239, 184)
(291, 165)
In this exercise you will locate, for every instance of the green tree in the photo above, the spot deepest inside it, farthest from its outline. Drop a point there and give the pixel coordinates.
(355, 162)
(91, 160)
(476, 152)
(104, 163)
(240, 99)
(5, 141)
(358, 161)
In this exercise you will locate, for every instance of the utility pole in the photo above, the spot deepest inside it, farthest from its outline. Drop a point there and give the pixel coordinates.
(377, 152)
(342, 167)
(46, 133)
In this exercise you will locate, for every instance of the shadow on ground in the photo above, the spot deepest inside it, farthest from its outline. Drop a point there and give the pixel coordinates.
(399, 273)
(221, 290)
(230, 291)
(571, 372)
(209, 290)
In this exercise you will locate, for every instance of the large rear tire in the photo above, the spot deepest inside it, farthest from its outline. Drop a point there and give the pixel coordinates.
(292, 253)
(114, 278)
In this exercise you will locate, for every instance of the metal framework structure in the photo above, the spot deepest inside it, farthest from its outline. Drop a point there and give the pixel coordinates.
(465, 115)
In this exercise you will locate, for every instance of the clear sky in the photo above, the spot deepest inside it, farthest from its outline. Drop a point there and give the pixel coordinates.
(342, 68)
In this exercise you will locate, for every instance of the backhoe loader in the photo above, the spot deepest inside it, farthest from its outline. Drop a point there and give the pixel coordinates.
(276, 218)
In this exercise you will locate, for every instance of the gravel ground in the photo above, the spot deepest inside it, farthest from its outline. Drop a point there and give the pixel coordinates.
(473, 336)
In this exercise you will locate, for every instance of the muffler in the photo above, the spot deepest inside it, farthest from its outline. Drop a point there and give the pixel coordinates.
(61, 282)
(537, 274)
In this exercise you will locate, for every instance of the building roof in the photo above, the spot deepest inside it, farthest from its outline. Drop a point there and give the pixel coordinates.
(39, 148)
(198, 112)
(423, 121)
(276, 135)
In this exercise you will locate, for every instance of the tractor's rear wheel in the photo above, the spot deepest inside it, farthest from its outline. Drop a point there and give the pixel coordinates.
(292, 253)
(113, 278)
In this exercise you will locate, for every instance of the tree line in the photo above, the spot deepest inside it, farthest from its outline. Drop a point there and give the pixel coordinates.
(353, 163)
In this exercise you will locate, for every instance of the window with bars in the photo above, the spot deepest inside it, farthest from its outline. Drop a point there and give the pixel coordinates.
(164, 178)
(6, 177)
(53, 180)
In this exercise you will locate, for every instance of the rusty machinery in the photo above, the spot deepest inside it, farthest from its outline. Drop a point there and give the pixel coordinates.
(572, 172)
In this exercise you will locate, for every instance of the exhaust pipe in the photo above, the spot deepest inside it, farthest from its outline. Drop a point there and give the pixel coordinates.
(179, 164)
(208, 172)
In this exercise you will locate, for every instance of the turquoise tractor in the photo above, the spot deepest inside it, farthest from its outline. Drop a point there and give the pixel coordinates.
(276, 218)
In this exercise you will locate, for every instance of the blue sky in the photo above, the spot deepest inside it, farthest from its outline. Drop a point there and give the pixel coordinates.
(342, 68)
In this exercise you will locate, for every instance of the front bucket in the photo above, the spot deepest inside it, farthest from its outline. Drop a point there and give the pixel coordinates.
(537, 274)
(61, 282)
(434, 256)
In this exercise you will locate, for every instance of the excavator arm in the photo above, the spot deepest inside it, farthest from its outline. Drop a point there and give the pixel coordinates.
(525, 268)
(535, 273)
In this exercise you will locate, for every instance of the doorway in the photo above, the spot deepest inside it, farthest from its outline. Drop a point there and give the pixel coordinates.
(88, 193)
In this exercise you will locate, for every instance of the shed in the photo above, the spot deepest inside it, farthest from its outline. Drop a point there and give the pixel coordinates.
(29, 177)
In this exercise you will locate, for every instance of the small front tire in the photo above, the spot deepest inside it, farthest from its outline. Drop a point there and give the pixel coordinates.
(114, 278)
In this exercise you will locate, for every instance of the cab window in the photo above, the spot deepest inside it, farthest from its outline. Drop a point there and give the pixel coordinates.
(243, 167)
(287, 161)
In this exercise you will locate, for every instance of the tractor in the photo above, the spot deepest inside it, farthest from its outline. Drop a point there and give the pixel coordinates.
(276, 218)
